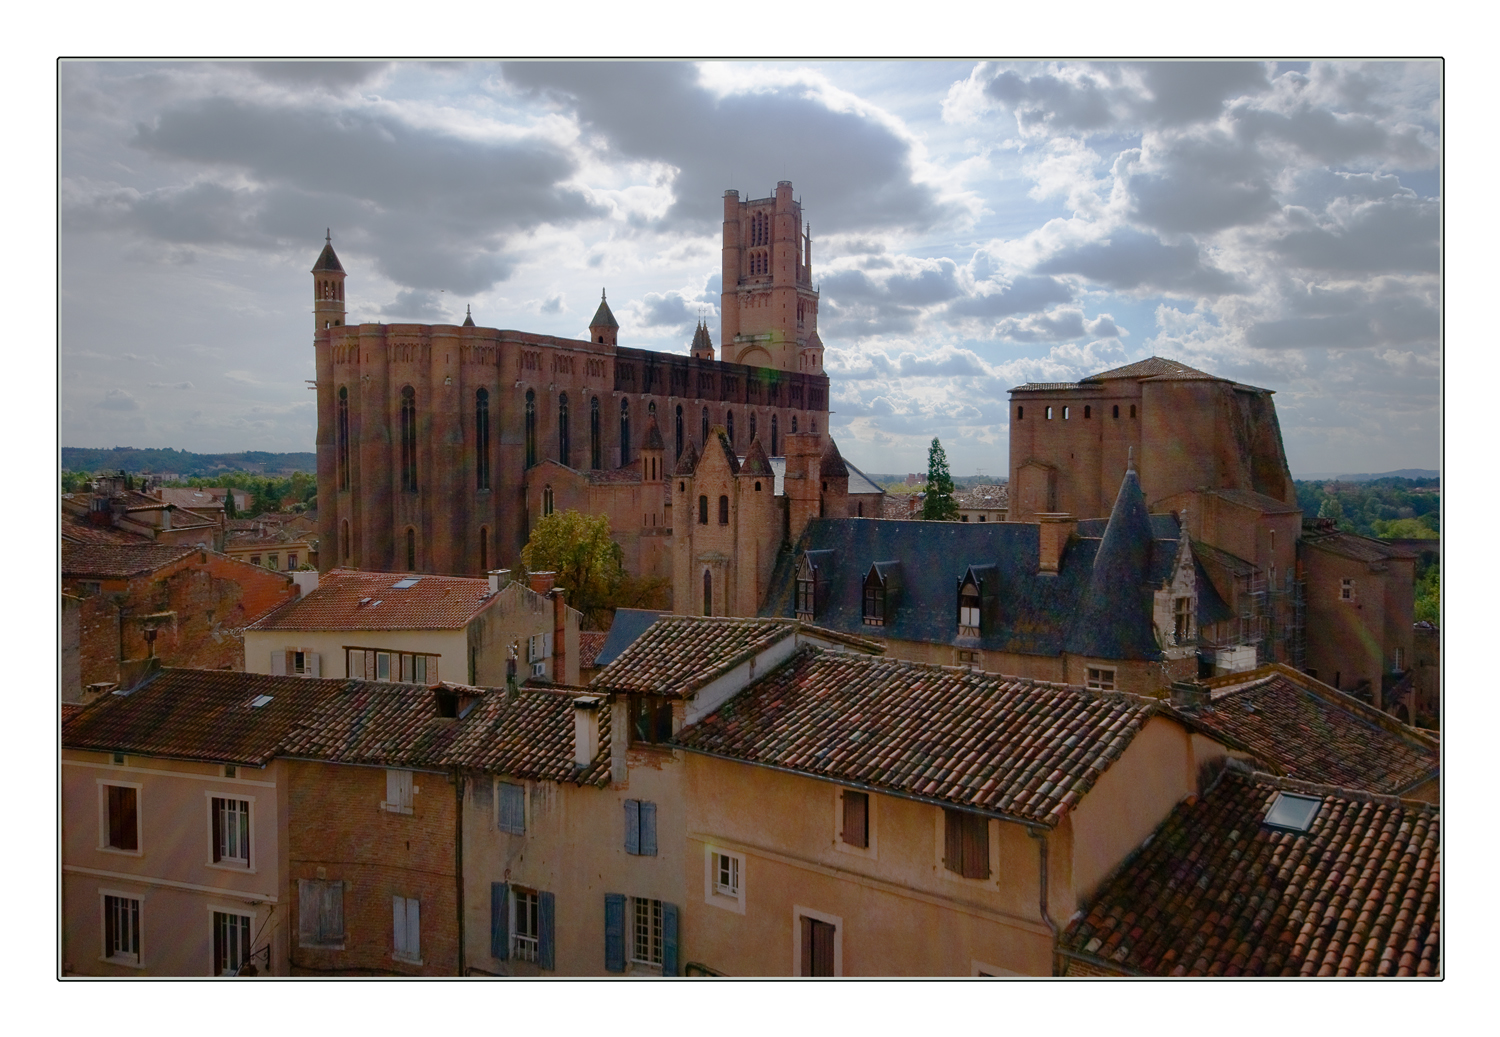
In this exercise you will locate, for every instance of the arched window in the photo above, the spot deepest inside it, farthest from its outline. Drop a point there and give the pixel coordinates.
(562, 430)
(794, 424)
(411, 549)
(546, 501)
(752, 428)
(484, 549)
(702, 509)
(705, 427)
(482, 438)
(596, 451)
(624, 432)
(530, 427)
(409, 439)
(774, 430)
(1066, 411)
(1048, 414)
(678, 453)
(708, 593)
(968, 605)
(343, 434)
(1088, 412)
(723, 510)
(344, 540)
(729, 420)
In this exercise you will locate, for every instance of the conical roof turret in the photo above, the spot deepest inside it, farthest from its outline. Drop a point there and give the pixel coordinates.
(603, 318)
(468, 316)
(756, 462)
(1115, 621)
(653, 435)
(687, 461)
(701, 339)
(328, 259)
(831, 464)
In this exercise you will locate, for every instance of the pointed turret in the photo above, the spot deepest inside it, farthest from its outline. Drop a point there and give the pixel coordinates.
(720, 435)
(653, 435)
(604, 328)
(756, 462)
(833, 486)
(703, 344)
(687, 461)
(328, 259)
(468, 316)
(1115, 619)
(328, 287)
(831, 464)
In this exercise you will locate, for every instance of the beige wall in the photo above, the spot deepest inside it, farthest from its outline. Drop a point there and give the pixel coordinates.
(172, 874)
(450, 645)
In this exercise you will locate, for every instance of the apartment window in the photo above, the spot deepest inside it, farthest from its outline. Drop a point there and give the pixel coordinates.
(482, 439)
(122, 929)
(723, 510)
(398, 792)
(255, 559)
(527, 911)
(1100, 679)
(640, 828)
(409, 439)
(231, 831)
(726, 875)
(231, 942)
(856, 830)
(121, 818)
(596, 450)
(1182, 619)
(273, 562)
(291, 560)
(510, 806)
(406, 924)
(966, 844)
(650, 718)
(320, 913)
(817, 947)
(968, 657)
(645, 943)
(564, 441)
(1346, 590)
(371, 664)
(343, 435)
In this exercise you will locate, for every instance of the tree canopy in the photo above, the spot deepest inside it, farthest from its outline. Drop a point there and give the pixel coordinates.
(939, 503)
(589, 566)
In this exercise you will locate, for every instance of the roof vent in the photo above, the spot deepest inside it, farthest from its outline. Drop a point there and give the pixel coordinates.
(259, 700)
(363, 602)
(1293, 813)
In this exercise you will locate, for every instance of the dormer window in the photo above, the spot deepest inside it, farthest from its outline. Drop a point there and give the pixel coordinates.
(874, 600)
(1182, 617)
(807, 589)
(968, 608)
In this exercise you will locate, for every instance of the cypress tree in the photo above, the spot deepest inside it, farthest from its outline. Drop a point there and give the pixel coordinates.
(939, 503)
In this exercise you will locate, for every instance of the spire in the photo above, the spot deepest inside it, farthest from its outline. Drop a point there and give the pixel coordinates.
(603, 318)
(756, 462)
(1130, 459)
(468, 316)
(687, 461)
(1114, 620)
(831, 464)
(327, 259)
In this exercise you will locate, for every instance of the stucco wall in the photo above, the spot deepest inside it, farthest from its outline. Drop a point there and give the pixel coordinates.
(449, 645)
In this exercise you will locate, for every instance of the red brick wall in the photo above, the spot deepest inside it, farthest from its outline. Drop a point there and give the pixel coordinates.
(335, 823)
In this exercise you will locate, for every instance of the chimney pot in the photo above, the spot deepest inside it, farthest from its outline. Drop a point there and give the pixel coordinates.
(543, 582)
(1055, 528)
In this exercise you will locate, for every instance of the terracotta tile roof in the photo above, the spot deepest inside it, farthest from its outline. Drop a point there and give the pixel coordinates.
(70, 710)
(432, 603)
(1151, 367)
(80, 531)
(1024, 749)
(679, 654)
(590, 643)
(1303, 729)
(199, 715)
(1214, 892)
(1352, 545)
(1050, 386)
(119, 561)
(529, 737)
(628, 625)
(900, 506)
(378, 723)
(1256, 501)
(990, 496)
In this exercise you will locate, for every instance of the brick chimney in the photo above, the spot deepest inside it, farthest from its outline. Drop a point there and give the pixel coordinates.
(543, 582)
(559, 636)
(586, 710)
(1056, 527)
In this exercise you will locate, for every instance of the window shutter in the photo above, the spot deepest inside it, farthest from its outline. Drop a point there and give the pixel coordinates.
(115, 805)
(308, 903)
(278, 664)
(500, 920)
(333, 911)
(857, 819)
(976, 847)
(953, 843)
(218, 824)
(414, 927)
(807, 946)
(289, 663)
(512, 808)
(668, 939)
(648, 829)
(393, 788)
(314, 664)
(245, 831)
(546, 913)
(398, 923)
(127, 821)
(614, 932)
(632, 826)
(822, 946)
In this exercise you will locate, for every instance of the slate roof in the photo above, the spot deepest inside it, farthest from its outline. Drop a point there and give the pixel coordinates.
(433, 603)
(653, 440)
(1304, 729)
(677, 655)
(602, 316)
(119, 561)
(1115, 616)
(199, 715)
(328, 259)
(628, 625)
(1351, 545)
(1214, 892)
(1024, 749)
(530, 736)
(859, 482)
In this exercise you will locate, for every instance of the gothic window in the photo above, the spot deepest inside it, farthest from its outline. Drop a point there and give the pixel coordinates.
(344, 540)
(723, 510)
(678, 452)
(752, 426)
(774, 451)
(1182, 615)
(482, 438)
(343, 434)
(705, 427)
(530, 427)
(708, 593)
(596, 451)
(484, 549)
(702, 509)
(411, 549)
(562, 430)
(624, 433)
(409, 439)
(729, 420)
(547, 502)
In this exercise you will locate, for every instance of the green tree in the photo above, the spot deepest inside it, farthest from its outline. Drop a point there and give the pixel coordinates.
(1403, 529)
(939, 504)
(1429, 601)
(229, 510)
(589, 565)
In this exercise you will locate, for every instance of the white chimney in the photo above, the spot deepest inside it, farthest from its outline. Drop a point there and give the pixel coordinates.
(499, 578)
(586, 729)
(306, 582)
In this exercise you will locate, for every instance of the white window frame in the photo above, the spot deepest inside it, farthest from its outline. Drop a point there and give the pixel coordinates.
(712, 893)
(1346, 588)
(238, 912)
(653, 941)
(798, 913)
(140, 841)
(981, 968)
(140, 899)
(1101, 682)
(525, 806)
(398, 807)
(525, 948)
(398, 938)
(208, 797)
(870, 852)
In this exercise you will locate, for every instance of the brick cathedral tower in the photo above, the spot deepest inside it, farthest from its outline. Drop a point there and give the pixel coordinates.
(328, 288)
(769, 306)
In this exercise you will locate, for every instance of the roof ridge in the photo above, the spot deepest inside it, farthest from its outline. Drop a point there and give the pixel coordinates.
(1247, 772)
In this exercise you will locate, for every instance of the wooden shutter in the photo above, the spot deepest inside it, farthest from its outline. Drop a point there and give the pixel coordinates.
(976, 850)
(217, 810)
(512, 808)
(500, 920)
(220, 959)
(632, 826)
(822, 948)
(414, 927)
(332, 915)
(614, 932)
(398, 923)
(953, 840)
(314, 664)
(668, 939)
(127, 819)
(115, 806)
(546, 915)
(278, 664)
(309, 901)
(807, 946)
(648, 829)
(856, 818)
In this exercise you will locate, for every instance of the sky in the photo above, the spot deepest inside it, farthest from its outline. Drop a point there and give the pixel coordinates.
(975, 225)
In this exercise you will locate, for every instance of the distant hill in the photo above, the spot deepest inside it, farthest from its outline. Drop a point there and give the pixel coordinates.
(1400, 473)
(184, 462)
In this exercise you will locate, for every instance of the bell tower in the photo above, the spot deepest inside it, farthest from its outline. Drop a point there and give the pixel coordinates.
(769, 307)
(328, 288)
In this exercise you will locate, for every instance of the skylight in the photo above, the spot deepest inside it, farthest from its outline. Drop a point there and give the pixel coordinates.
(259, 700)
(1293, 813)
(401, 585)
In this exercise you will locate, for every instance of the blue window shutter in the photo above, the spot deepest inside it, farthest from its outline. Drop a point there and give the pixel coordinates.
(614, 932)
(668, 939)
(648, 829)
(632, 826)
(546, 914)
(500, 920)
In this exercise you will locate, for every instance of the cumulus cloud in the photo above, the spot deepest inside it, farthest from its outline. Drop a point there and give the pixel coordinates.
(119, 399)
(1132, 261)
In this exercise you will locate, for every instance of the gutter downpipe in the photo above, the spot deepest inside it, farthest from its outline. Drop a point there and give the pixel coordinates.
(1041, 838)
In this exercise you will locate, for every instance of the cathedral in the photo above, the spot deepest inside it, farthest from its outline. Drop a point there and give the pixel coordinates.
(440, 445)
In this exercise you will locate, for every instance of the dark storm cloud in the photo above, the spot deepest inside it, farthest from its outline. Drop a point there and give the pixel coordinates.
(1396, 234)
(857, 169)
(1024, 294)
(1202, 185)
(1129, 260)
